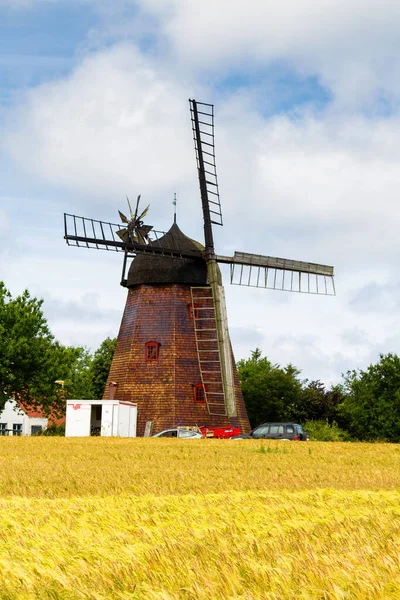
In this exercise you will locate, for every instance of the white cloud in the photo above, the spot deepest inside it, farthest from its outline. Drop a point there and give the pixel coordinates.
(119, 124)
(351, 46)
(4, 222)
(114, 126)
(5, 230)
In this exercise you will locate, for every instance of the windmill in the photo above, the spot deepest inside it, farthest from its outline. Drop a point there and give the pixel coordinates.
(173, 355)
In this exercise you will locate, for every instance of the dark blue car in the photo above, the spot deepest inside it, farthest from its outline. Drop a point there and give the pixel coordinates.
(277, 431)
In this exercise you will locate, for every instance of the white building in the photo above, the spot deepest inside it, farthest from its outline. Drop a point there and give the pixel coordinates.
(15, 419)
(100, 417)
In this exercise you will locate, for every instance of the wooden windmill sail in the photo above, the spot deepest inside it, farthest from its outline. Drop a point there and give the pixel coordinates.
(169, 268)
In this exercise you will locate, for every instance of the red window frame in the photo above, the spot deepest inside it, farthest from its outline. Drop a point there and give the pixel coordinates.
(193, 311)
(198, 393)
(152, 351)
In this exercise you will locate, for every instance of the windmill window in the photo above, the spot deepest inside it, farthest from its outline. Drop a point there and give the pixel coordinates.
(198, 393)
(193, 311)
(152, 351)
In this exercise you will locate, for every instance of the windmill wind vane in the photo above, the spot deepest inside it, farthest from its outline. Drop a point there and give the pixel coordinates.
(136, 231)
(172, 258)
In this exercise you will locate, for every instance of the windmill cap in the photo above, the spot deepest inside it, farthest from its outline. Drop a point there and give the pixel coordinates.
(151, 269)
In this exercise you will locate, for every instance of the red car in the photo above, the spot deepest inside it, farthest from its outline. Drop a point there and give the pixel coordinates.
(222, 433)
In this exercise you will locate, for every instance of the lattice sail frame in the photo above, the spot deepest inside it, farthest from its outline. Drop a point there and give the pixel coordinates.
(102, 235)
(202, 117)
(256, 270)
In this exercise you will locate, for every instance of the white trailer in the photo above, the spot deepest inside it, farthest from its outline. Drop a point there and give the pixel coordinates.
(100, 417)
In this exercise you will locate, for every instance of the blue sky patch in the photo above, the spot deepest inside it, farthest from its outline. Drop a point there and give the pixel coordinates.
(277, 89)
(40, 44)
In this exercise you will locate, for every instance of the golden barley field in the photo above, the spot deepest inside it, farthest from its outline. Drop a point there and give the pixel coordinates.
(173, 519)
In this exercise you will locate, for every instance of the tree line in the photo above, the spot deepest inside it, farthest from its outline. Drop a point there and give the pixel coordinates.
(364, 406)
(32, 361)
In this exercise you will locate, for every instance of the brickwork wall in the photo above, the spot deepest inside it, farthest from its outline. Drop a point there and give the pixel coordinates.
(163, 389)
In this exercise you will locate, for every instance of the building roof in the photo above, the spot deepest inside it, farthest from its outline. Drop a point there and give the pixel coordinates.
(37, 412)
(152, 269)
(33, 413)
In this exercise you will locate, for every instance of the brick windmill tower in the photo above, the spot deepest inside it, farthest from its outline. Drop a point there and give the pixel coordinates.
(173, 355)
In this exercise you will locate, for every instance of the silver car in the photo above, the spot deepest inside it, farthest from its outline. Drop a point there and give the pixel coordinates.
(179, 433)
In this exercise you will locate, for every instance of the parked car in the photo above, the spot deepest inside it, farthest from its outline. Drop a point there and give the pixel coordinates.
(179, 433)
(276, 431)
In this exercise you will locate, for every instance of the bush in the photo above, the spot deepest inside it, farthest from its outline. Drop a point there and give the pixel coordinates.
(53, 430)
(322, 431)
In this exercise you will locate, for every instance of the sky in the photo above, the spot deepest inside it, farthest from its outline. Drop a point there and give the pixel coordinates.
(94, 107)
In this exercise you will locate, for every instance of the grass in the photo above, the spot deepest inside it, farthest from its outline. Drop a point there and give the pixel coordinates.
(201, 519)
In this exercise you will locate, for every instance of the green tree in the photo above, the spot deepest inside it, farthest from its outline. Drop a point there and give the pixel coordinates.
(268, 389)
(315, 403)
(26, 348)
(72, 365)
(100, 366)
(84, 376)
(322, 431)
(31, 360)
(371, 407)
